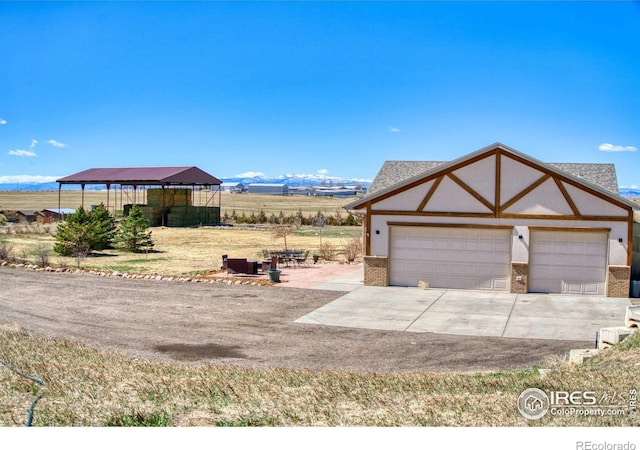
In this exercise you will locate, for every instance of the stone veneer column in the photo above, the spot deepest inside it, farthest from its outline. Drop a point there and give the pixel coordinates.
(376, 271)
(519, 270)
(618, 281)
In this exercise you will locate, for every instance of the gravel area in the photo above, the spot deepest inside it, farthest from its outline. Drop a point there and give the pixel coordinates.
(240, 325)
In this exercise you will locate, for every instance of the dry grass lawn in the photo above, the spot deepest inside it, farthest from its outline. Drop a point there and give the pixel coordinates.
(88, 387)
(181, 251)
(39, 200)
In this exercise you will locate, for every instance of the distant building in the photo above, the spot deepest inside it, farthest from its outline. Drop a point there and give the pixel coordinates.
(26, 216)
(271, 189)
(49, 215)
(234, 188)
(338, 191)
(300, 191)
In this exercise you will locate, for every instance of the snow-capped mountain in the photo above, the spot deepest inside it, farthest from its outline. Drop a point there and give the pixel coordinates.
(296, 180)
(245, 179)
(630, 192)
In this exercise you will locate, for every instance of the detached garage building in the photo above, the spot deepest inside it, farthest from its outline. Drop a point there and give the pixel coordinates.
(498, 220)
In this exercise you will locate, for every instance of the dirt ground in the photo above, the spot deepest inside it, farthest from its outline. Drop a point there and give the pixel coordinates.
(240, 325)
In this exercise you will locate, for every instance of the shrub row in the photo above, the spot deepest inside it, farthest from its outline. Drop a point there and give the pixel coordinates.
(319, 219)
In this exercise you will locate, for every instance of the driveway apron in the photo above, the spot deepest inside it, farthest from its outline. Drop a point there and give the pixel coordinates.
(462, 312)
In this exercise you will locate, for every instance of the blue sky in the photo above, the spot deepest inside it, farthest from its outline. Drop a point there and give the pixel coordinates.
(315, 87)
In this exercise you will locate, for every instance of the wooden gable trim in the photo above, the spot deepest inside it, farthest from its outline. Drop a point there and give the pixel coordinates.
(471, 191)
(378, 212)
(436, 174)
(430, 193)
(367, 230)
(502, 216)
(496, 201)
(567, 180)
(580, 229)
(524, 192)
(598, 194)
(450, 225)
(564, 217)
(567, 197)
(630, 239)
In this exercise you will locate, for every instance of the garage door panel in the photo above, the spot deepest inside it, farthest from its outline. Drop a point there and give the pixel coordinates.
(452, 257)
(571, 262)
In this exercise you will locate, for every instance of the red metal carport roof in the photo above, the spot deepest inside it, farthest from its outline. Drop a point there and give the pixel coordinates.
(140, 176)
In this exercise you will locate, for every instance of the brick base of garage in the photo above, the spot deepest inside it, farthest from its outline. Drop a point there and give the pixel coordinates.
(376, 271)
(519, 278)
(618, 281)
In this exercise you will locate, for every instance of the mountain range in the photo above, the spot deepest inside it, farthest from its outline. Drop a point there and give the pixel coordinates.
(246, 179)
(290, 180)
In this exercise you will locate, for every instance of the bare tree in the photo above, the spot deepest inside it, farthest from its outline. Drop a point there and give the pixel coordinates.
(282, 230)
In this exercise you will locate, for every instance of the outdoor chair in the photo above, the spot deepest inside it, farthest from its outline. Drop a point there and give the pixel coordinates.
(302, 259)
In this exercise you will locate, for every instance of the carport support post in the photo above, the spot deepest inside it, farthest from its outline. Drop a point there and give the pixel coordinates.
(163, 205)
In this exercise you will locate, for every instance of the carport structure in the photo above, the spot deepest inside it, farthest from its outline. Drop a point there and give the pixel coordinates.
(144, 177)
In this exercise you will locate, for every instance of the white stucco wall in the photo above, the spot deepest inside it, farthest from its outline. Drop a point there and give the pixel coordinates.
(515, 177)
(590, 205)
(480, 176)
(408, 200)
(545, 199)
(451, 197)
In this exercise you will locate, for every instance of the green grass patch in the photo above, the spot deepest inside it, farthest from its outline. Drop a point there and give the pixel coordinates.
(161, 419)
(330, 232)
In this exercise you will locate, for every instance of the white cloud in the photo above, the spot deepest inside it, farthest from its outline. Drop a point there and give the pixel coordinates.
(323, 171)
(3, 122)
(394, 129)
(616, 148)
(27, 153)
(250, 175)
(34, 142)
(27, 179)
(56, 143)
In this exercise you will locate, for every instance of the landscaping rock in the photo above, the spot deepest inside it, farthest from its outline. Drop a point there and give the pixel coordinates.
(612, 335)
(632, 317)
(581, 355)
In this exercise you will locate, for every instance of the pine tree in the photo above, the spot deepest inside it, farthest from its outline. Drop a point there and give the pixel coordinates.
(132, 234)
(76, 235)
(105, 228)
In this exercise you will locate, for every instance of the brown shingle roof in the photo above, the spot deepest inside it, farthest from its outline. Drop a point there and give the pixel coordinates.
(394, 172)
(603, 175)
(189, 175)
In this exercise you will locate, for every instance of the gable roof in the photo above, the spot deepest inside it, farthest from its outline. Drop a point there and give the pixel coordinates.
(180, 175)
(393, 175)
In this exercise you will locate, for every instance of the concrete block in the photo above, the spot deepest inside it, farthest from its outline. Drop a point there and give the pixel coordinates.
(632, 317)
(581, 355)
(613, 335)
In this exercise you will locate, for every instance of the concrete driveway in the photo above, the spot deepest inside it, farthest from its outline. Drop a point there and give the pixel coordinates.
(461, 312)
